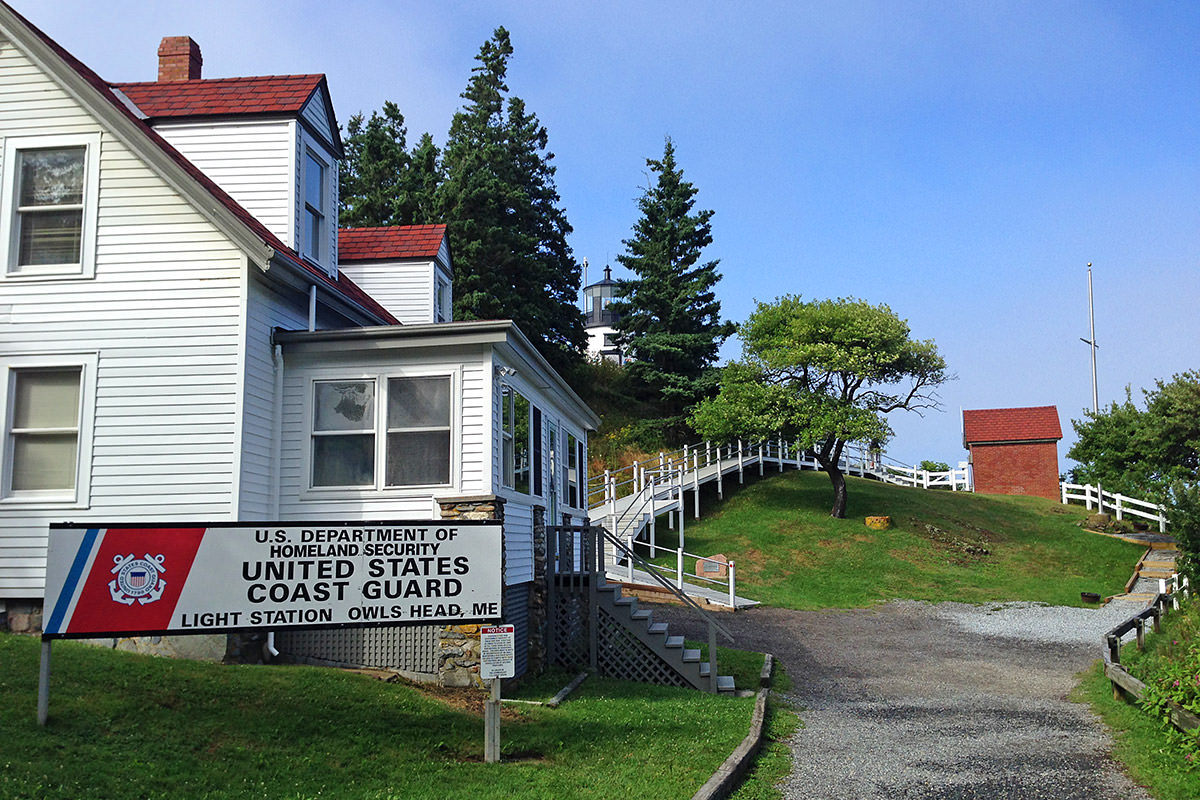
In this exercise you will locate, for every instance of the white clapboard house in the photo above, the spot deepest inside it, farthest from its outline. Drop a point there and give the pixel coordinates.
(183, 326)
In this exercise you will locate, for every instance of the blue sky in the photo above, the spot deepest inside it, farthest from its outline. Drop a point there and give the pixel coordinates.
(959, 161)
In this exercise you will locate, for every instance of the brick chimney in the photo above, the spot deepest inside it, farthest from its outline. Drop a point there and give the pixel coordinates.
(179, 59)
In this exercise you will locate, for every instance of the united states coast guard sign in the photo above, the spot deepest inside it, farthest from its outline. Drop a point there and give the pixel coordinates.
(143, 579)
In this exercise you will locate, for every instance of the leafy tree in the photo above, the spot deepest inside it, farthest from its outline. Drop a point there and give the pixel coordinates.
(501, 207)
(669, 315)
(380, 182)
(1140, 452)
(823, 372)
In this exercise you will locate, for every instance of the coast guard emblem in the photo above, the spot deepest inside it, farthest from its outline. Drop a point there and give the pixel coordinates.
(137, 579)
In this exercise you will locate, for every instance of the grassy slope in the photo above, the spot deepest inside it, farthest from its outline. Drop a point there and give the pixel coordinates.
(791, 553)
(125, 725)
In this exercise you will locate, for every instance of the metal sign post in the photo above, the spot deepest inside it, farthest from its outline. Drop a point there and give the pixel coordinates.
(497, 659)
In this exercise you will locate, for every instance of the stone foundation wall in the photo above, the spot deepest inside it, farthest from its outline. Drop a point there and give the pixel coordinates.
(458, 645)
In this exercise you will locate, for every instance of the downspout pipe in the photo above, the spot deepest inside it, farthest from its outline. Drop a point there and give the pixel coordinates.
(312, 307)
(276, 450)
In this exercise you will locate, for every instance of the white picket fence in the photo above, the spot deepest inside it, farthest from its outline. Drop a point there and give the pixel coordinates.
(1094, 497)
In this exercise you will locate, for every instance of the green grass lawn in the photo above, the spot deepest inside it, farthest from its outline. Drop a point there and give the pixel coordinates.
(942, 546)
(126, 725)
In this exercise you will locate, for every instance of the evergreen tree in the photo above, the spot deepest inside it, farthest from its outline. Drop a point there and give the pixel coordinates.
(508, 234)
(669, 316)
(380, 182)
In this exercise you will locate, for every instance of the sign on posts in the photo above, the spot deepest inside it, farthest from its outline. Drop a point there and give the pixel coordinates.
(126, 579)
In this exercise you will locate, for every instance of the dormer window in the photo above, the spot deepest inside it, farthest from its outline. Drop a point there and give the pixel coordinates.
(314, 234)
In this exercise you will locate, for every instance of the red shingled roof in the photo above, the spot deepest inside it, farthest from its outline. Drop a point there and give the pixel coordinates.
(1033, 424)
(343, 285)
(271, 94)
(390, 242)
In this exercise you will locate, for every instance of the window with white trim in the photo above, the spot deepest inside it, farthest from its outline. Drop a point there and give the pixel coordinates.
(381, 432)
(441, 300)
(515, 436)
(314, 235)
(47, 405)
(51, 192)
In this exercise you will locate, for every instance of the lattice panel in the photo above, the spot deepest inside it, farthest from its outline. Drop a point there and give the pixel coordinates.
(570, 630)
(412, 647)
(622, 655)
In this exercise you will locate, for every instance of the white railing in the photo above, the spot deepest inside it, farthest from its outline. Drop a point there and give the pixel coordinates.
(956, 479)
(1094, 497)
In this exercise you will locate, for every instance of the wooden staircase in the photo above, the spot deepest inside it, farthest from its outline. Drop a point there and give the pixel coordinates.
(675, 664)
(592, 623)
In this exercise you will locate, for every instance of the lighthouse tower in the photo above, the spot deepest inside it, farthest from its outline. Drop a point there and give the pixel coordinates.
(600, 320)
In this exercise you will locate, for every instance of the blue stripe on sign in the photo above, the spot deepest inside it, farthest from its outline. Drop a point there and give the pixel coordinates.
(68, 590)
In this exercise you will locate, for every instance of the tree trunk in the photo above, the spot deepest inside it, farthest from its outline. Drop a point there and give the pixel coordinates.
(839, 491)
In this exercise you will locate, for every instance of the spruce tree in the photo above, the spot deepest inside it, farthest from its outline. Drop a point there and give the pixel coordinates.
(380, 182)
(508, 233)
(669, 315)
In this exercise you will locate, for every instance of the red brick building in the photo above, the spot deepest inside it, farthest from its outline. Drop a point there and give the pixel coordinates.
(1014, 450)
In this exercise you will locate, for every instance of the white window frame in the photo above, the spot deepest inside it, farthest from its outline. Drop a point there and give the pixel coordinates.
(10, 241)
(80, 496)
(380, 487)
(321, 256)
(508, 445)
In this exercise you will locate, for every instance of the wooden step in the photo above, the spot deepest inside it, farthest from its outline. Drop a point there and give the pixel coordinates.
(674, 641)
(725, 683)
(691, 656)
(659, 627)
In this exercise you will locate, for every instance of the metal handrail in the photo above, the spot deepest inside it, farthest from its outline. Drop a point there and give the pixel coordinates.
(652, 570)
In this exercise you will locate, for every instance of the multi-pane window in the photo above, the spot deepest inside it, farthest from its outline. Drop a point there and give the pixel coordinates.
(343, 441)
(515, 435)
(50, 199)
(418, 431)
(49, 212)
(43, 430)
(441, 300)
(413, 449)
(571, 471)
(314, 207)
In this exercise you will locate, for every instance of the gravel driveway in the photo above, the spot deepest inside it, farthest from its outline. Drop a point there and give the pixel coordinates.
(914, 700)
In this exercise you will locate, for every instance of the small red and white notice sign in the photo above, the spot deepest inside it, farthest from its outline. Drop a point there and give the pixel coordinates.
(497, 651)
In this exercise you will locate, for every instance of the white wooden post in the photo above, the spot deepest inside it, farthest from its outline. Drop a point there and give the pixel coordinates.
(43, 696)
(741, 464)
(653, 521)
(761, 455)
(732, 594)
(1099, 498)
(779, 452)
(679, 567)
(1087, 496)
(1117, 505)
(1063, 486)
(1162, 520)
(720, 477)
(695, 486)
(708, 454)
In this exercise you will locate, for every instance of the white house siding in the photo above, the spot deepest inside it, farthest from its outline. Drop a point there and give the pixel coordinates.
(269, 307)
(252, 161)
(297, 502)
(162, 317)
(405, 288)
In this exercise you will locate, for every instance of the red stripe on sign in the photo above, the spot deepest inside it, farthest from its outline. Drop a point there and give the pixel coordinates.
(136, 580)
